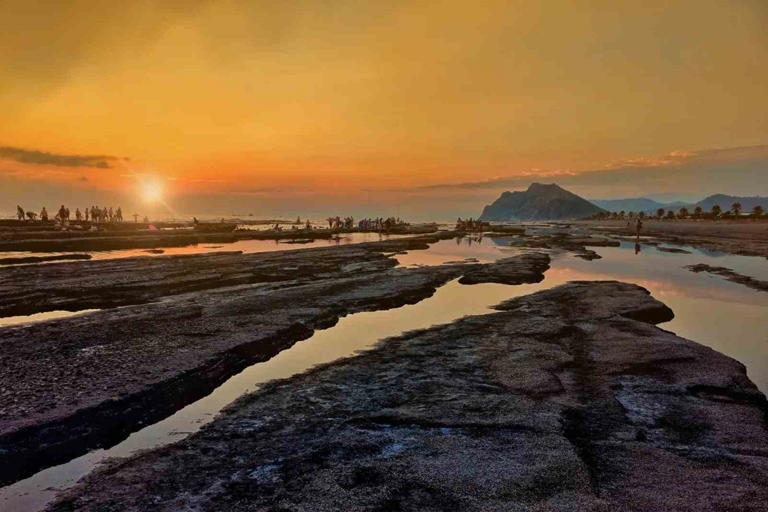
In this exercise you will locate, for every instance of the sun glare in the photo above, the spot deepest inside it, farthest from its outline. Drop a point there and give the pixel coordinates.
(151, 191)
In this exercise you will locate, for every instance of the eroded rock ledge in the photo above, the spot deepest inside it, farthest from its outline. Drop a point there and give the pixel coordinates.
(563, 400)
(99, 284)
(77, 383)
(730, 275)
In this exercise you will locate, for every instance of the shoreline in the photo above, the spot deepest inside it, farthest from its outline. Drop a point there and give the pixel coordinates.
(98, 376)
(744, 237)
(547, 402)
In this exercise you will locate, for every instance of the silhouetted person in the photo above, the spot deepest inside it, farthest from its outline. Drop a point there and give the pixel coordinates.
(638, 227)
(43, 214)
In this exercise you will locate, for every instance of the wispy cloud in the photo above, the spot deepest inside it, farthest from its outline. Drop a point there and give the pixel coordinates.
(31, 156)
(718, 167)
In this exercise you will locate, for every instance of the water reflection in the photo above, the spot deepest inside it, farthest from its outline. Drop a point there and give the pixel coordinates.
(710, 310)
(246, 246)
(351, 334)
(40, 317)
(726, 316)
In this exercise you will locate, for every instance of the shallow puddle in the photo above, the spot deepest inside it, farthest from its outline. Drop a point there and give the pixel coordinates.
(41, 317)
(729, 317)
(352, 333)
(726, 316)
(246, 246)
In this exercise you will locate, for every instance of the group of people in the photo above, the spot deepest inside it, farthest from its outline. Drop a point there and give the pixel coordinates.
(471, 225)
(339, 223)
(379, 224)
(93, 214)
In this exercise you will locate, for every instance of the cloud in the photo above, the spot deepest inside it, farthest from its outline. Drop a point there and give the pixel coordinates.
(28, 156)
(684, 171)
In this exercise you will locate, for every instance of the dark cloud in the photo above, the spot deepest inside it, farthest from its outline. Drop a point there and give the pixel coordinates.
(28, 156)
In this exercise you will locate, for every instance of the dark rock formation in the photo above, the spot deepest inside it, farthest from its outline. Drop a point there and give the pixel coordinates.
(32, 289)
(675, 250)
(730, 275)
(21, 260)
(526, 268)
(564, 400)
(539, 202)
(77, 383)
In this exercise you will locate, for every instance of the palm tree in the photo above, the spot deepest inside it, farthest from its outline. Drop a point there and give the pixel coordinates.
(716, 210)
(683, 212)
(697, 212)
(641, 215)
(736, 207)
(757, 211)
(660, 212)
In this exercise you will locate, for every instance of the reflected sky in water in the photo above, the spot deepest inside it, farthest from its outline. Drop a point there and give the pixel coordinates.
(726, 316)
(246, 246)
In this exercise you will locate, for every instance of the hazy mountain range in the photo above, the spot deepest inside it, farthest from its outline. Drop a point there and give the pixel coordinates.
(642, 204)
(552, 202)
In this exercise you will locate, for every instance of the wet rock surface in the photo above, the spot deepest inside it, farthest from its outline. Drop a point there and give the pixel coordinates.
(47, 237)
(575, 243)
(19, 260)
(674, 250)
(730, 275)
(747, 238)
(567, 399)
(25, 290)
(525, 268)
(73, 384)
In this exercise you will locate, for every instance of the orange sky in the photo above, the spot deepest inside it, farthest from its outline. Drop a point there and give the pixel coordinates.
(214, 96)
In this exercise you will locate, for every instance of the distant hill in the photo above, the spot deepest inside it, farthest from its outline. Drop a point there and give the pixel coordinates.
(642, 204)
(725, 202)
(539, 202)
(635, 204)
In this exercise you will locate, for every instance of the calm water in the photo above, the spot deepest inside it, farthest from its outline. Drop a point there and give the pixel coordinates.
(708, 309)
(247, 246)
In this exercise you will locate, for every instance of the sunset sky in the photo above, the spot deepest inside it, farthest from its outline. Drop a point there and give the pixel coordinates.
(313, 107)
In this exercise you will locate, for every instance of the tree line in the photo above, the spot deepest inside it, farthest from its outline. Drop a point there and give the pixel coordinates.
(716, 212)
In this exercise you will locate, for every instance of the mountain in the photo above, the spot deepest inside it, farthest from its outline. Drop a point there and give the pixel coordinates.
(642, 204)
(725, 202)
(539, 202)
(634, 204)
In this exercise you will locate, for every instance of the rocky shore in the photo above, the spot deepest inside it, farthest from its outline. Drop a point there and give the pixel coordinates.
(39, 237)
(567, 399)
(743, 237)
(730, 275)
(186, 324)
(98, 284)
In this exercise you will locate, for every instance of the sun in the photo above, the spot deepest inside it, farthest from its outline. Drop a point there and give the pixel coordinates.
(152, 191)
